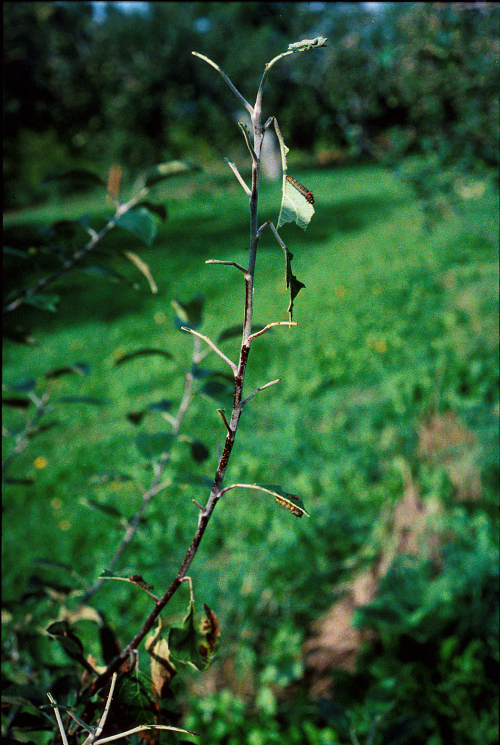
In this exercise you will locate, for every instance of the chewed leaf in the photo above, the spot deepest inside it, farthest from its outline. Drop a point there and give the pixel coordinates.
(162, 669)
(196, 641)
(295, 207)
(302, 46)
(290, 501)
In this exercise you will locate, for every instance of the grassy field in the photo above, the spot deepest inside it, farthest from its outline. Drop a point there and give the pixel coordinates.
(395, 324)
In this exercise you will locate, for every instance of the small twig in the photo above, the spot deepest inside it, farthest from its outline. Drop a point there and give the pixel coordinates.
(262, 228)
(270, 325)
(200, 507)
(140, 729)
(261, 388)
(92, 737)
(234, 169)
(59, 720)
(227, 263)
(221, 412)
(191, 593)
(30, 429)
(233, 88)
(211, 344)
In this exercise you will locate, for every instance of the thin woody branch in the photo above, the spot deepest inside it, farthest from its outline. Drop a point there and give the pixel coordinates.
(212, 345)
(270, 325)
(227, 263)
(238, 175)
(261, 388)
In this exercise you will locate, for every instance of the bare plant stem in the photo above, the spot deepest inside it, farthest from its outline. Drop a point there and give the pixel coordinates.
(239, 378)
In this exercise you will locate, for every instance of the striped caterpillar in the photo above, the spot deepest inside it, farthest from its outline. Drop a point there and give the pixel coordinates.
(302, 189)
(289, 505)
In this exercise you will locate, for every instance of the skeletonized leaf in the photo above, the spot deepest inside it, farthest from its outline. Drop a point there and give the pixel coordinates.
(135, 579)
(294, 207)
(302, 46)
(164, 171)
(291, 501)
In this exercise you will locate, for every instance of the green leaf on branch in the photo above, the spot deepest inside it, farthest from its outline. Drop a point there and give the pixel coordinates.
(189, 314)
(164, 405)
(199, 452)
(24, 386)
(155, 444)
(142, 353)
(67, 639)
(294, 205)
(110, 274)
(196, 641)
(157, 209)
(81, 400)
(43, 302)
(16, 403)
(220, 391)
(141, 223)
(80, 368)
(81, 175)
(105, 509)
(133, 703)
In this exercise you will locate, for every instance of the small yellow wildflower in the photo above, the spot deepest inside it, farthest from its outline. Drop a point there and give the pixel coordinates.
(41, 462)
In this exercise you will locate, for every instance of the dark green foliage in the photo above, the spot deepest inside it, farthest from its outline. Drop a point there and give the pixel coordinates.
(400, 327)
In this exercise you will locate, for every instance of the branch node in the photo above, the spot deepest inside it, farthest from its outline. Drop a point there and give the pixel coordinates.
(223, 415)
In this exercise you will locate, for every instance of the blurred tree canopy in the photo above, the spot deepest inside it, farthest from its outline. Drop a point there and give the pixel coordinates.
(89, 91)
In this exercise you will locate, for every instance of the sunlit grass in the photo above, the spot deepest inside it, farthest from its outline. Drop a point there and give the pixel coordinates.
(386, 332)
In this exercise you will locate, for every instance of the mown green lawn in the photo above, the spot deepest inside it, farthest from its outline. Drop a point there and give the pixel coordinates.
(394, 324)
